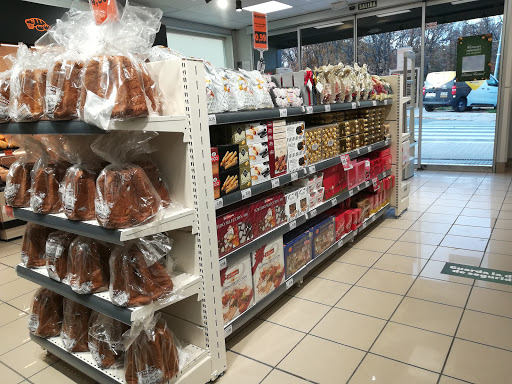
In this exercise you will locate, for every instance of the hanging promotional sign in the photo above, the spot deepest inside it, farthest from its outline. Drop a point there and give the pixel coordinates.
(259, 31)
(474, 57)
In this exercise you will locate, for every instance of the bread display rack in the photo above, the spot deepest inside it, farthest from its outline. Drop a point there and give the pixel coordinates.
(183, 157)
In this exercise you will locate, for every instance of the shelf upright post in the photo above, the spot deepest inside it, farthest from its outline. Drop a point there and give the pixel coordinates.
(206, 232)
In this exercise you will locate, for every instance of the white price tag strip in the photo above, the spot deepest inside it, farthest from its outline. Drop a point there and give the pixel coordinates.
(327, 107)
(386, 102)
(212, 119)
(374, 102)
(365, 224)
(283, 112)
(340, 243)
(312, 169)
(367, 183)
(375, 180)
(312, 213)
(289, 283)
(275, 183)
(369, 148)
(246, 193)
(309, 109)
(228, 330)
(374, 218)
(219, 203)
(354, 105)
(295, 176)
(223, 264)
(293, 224)
(351, 193)
(345, 161)
(334, 202)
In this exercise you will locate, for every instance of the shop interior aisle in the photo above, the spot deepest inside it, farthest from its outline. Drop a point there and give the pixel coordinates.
(379, 311)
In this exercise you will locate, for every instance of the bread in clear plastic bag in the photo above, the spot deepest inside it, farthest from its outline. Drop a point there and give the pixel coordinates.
(18, 181)
(139, 271)
(45, 319)
(88, 270)
(56, 253)
(75, 326)
(154, 176)
(33, 247)
(5, 88)
(46, 178)
(152, 355)
(105, 340)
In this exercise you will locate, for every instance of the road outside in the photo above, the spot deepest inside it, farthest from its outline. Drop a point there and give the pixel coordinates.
(464, 138)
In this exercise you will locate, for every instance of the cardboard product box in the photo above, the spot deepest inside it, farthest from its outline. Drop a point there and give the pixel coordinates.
(339, 221)
(278, 157)
(244, 177)
(302, 200)
(263, 215)
(291, 198)
(297, 249)
(280, 208)
(296, 160)
(260, 172)
(287, 80)
(236, 134)
(267, 268)
(256, 133)
(258, 152)
(243, 155)
(215, 172)
(237, 288)
(229, 181)
(309, 182)
(233, 229)
(295, 129)
(324, 235)
(228, 156)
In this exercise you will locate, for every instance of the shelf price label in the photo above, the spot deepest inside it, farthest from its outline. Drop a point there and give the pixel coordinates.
(246, 193)
(312, 169)
(327, 107)
(289, 283)
(340, 243)
(345, 161)
(369, 148)
(212, 119)
(223, 263)
(312, 213)
(366, 183)
(375, 182)
(354, 105)
(275, 182)
(293, 224)
(358, 151)
(374, 103)
(351, 193)
(385, 101)
(283, 112)
(219, 203)
(295, 176)
(334, 201)
(228, 330)
(364, 225)
(309, 109)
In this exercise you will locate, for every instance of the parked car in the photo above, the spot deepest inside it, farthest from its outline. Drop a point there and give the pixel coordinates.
(441, 90)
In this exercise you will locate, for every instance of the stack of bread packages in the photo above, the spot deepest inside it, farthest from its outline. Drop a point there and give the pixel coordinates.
(140, 271)
(151, 355)
(75, 326)
(129, 191)
(33, 246)
(105, 340)
(45, 318)
(18, 181)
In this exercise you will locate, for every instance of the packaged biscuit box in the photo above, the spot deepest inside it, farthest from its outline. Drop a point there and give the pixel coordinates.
(324, 235)
(267, 268)
(263, 215)
(297, 249)
(237, 288)
(233, 230)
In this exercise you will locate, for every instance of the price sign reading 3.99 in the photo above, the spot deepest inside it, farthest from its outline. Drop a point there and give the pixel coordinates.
(259, 31)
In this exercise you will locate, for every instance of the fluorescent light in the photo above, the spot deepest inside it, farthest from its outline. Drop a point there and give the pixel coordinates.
(393, 13)
(462, 1)
(269, 6)
(9, 45)
(328, 25)
(222, 4)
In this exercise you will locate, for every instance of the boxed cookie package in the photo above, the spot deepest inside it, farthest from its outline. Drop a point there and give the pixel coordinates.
(267, 268)
(324, 235)
(233, 230)
(297, 249)
(237, 288)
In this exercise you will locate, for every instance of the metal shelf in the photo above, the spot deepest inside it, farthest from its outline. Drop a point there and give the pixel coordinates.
(280, 113)
(84, 362)
(78, 127)
(235, 197)
(287, 227)
(167, 220)
(241, 320)
(185, 285)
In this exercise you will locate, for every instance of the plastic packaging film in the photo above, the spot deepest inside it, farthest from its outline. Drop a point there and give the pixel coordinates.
(45, 319)
(75, 326)
(105, 340)
(57, 248)
(33, 246)
(5, 88)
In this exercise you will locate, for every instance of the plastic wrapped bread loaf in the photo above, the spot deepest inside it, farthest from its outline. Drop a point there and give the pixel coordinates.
(63, 89)
(57, 247)
(46, 314)
(33, 247)
(75, 326)
(46, 179)
(105, 340)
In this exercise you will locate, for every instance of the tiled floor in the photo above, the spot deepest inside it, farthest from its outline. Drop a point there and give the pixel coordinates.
(379, 311)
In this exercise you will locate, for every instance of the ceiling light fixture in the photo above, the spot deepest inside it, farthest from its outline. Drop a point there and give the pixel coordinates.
(394, 13)
(222, 4)
(268, 7)
(328, 25)
(239, 5)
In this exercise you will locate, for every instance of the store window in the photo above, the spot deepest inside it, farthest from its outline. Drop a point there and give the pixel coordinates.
(282, 52)
(211, 48)
(328, 43)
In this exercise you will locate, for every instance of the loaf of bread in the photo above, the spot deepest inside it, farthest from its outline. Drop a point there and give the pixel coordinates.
(79, 191)
(154, 176)
(105, 340)
(63, 90)
(46, 179)
(75, 326)
(28, 104)
(17, 189)
(46, 314)
(152, 357)
(57, 247)
(150, 90)
(125, 197)
(88, 265)
(5, 94)
(33, 247)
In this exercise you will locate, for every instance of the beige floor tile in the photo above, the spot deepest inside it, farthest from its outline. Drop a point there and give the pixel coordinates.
(10, 249)
(23, 302)
(386, 233)
(13, 335)
(496, 286)
(301, 315)
(506, 207)
(320, 290)
(503, 224)
(341, 272)
(396, 223)
(418, 207)
(466, 230)
(440, 291)
(402, 264)
(486, 329)
(438, 218)
(497, 261)
(501, 247)
(485, 199)
(459, 256)
(409, 215)
(2, 267)
(428, 315)
(475, 221)
(491, 301)
(280, 377)
(322, 361)
(422, 237)
(358, 257)
(483, 213)
(501, 234)
(61, 373)
(463, 242)
(445, 210)
(506, 215)
(7, 275)
(403, 248)
(371, 245)
(413, 346)
(441, 202)
(450, 380)
(8, 314)
(16, 288)
(11, 260)
(386, 281)
(426, 226)
(379, 370)
(9, 376)
(478, 363)
(258, 341)
(370, 302)
(433, 271)
(240, 366)
(28, 359)
(496, 206)
(349, 328)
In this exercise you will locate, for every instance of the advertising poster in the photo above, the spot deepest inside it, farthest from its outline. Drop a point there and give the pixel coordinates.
(474, 57)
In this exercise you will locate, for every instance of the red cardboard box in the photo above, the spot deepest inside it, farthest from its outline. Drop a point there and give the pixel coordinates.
(263, 215)
(233, 230)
